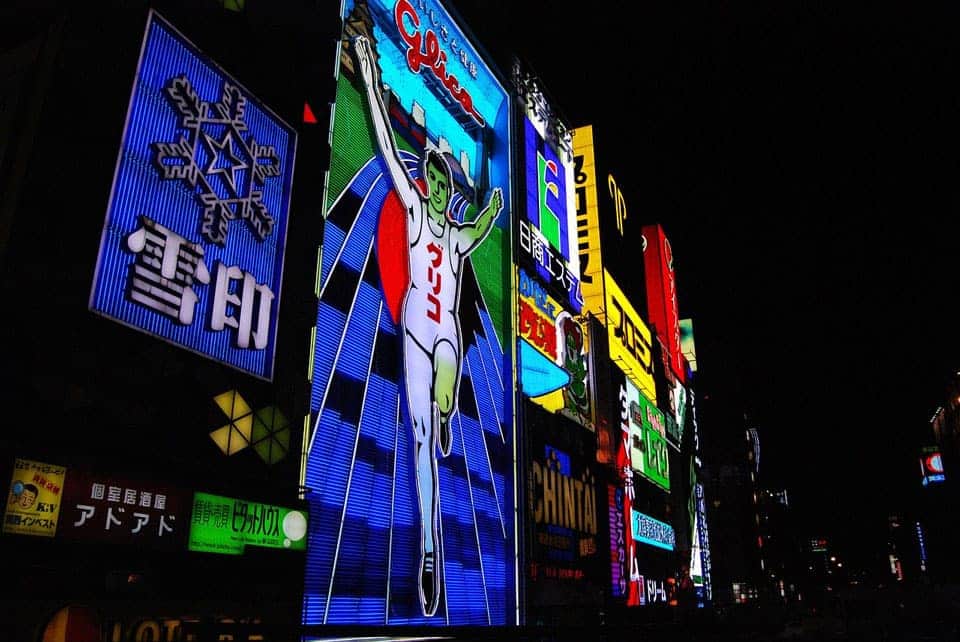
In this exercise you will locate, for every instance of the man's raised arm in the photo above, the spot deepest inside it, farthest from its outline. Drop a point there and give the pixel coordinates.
(406, 189)
(473, 233)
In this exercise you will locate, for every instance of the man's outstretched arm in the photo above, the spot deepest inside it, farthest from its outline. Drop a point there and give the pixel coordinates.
(472, 234)
(369, 73)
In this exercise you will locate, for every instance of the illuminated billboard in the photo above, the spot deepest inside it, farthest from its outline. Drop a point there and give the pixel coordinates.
(548, 227)
(931, 466)
(653, 532)
(671, 392)
(647, 436)
(553, 355)
(588, 221)
(610, 238)
(701, 539)
(661, 286)
(33, 505)
(226, 525)
(195, 230)
(687, 344)
(409, 470)
(565, 504)
(631, 343)
(116, 510)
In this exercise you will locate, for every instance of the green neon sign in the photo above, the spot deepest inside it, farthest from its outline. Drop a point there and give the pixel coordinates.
(226, 525)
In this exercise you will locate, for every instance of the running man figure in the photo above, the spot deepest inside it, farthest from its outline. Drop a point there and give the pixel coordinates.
(432, 347)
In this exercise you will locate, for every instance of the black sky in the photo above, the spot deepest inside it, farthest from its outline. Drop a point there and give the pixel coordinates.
(804, 160)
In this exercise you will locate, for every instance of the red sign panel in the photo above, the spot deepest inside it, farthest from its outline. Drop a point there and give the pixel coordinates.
(662, 312)
(111, 509)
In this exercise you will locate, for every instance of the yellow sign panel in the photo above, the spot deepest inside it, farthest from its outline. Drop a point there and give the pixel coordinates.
(631, 344)
(588, 222)
(33, 506)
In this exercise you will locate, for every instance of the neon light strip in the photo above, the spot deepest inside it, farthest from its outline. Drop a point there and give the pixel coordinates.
(393, 503)
(489, 389)
(493, 358)
(493, 483)
(336, 357)
(363, 205)
(652, 542)
(476, 529)
(443, 555)
(353, 460)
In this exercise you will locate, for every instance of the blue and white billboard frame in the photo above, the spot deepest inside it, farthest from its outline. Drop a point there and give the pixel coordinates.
(195, 231)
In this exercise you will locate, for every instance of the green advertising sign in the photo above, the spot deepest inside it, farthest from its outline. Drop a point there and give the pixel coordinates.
(226, 525)
(652, 460)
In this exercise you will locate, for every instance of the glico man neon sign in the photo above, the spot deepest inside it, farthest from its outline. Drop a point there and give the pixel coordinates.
(424, 50)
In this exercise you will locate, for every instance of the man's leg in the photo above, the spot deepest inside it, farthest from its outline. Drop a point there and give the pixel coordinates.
(446, 376)
(420, 406)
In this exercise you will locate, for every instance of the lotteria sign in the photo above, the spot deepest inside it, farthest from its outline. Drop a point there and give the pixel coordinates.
(195, 231)
(411, 443)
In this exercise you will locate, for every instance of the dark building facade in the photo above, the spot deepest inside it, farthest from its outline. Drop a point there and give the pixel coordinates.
(132, 440)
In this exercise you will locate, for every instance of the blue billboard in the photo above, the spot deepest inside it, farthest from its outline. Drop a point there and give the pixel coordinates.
(195, 231)
(409, 471)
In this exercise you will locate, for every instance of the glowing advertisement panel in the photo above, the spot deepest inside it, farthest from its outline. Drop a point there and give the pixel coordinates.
(631, 343)
(624, 576)
(931, 466)
(653, 532)
(588, 221)
(548, 232)
(648, 445)
(661, 282)
(117, 510)
(409, 470)
(33, 505)
(553, 356)
(687, 344)
(672, 394)
(195, 230)
(702, 540)
(565, 504)
(227, 525)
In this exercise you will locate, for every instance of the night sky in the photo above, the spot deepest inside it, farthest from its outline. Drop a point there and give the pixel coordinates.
(803, 160)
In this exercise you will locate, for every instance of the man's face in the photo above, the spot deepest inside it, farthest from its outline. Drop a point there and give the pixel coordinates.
(27, 498)
(439, 188)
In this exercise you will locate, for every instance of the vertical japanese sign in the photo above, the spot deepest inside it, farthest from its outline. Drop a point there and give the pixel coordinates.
(661, 282)
(411, 446)
(703, 542)
(621, 545)
(195, 230)
(226, 525)
(588, 221)
(631, 343)
(552, 343)
(124, 511)
(33, 505)
(548, 228)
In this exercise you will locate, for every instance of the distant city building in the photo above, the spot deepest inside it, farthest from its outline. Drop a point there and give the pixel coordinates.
(782, 546)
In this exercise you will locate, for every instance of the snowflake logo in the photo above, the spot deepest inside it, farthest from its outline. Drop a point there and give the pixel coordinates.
(215, 156)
